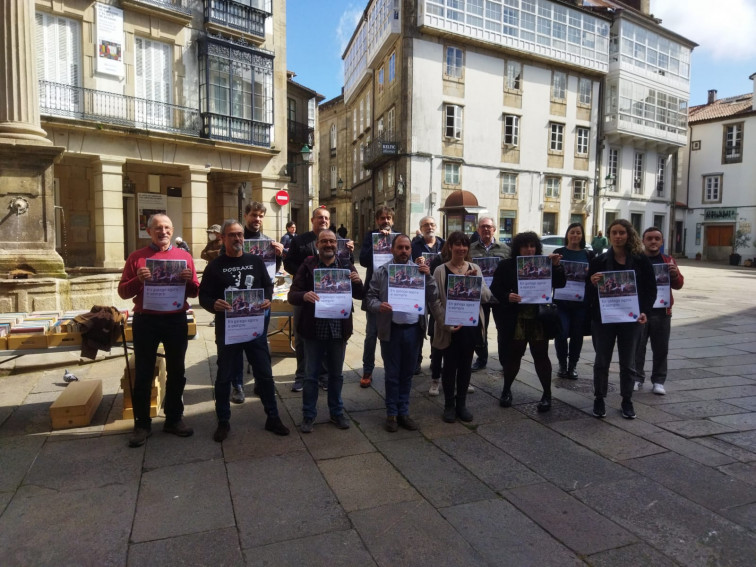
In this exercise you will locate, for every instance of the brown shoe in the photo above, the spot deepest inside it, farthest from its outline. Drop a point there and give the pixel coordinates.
(407, 423)
(392, 426)
(366, 380)
(178, 428)
(139, 437)
(221, 431)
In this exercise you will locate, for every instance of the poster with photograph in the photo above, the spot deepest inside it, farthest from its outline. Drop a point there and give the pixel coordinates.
(663, 293)
(165, 290)
(576, 273)
(246, 319)
(487, 266)
(430, 257)
(334, 289)
(109, 21)
(343, 255)
(149, 204)
(382, 248)
(618, 297)
(534, 279)
(406, 289)
(263, 247)
(463, 300)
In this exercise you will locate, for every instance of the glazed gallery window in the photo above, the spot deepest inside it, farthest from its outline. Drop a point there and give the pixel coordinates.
(712, 188)
(454, 62)
(451, 173)
(511, 130)
(453, 121)
(732, 151)
(556, 137)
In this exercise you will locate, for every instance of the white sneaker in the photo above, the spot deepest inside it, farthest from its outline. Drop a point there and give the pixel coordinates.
(433, 391)
(470, 389)
(637, 386)
(659, 389)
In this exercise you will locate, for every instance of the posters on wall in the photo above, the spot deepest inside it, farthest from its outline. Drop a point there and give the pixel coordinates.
(150, 204)
(109, 40)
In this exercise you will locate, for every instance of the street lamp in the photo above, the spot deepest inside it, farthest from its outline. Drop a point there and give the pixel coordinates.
(306, 154)
(340, 184)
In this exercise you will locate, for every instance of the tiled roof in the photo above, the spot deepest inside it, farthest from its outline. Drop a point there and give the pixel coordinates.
(722, 108)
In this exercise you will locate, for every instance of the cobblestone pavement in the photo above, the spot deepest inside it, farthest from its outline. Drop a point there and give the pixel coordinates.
(677, 486)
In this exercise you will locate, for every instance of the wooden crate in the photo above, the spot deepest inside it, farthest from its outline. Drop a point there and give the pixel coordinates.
(24, 341)
(76, 404)
(281, 336)
(3, 343)
(156, 395)
(63, 339)
(192, 329)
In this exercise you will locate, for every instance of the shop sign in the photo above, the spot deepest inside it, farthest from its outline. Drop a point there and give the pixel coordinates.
(721, 214)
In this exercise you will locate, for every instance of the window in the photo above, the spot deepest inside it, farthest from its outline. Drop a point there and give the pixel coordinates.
(638, 172)
(333, 138)
(451, 173)
(390, 121)
(549, 223)
(578, 189)
(354, 123)
(511, 130)
(636, 219)
(291, 110)
(153, 83)
(361, 158)
(552, 187)
(659, 222)
(390, 176)
(62, 37)
(392, 68)
(292, 171)
(362, 115)
(454, 62)
(355, 165)
(379, 127)
(453, 124)
(379, 181)
(509, 183)
(661, 165)
(582, 141)
(334, 177)
(585, 91)
(612, 168)
(513, 76)
(380, 80)
(712, 188)
(733, 143)
(559, 86)
(367, 112)
(556, 139)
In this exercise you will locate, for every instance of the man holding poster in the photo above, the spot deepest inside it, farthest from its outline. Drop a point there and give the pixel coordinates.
(234, 273)
(610, 271)
(160, 324)
(324, 279)
(668, 277)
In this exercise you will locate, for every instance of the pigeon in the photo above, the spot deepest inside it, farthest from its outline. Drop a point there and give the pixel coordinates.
(68, 377)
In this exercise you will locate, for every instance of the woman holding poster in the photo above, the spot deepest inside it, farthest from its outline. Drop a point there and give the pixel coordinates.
(570, 300)
(627, 262)
(521, 325)
(457, 343)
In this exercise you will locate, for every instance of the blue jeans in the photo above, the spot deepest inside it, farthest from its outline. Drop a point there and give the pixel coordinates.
(657, 328)
(399, 361)
(368, 349)
(258, 357)
(604, 337)
(331, 353)
(149, 331)
(572, 316)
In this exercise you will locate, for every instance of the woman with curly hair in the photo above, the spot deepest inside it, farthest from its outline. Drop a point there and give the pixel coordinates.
(457, 343)
(520, 323)
(625, 253)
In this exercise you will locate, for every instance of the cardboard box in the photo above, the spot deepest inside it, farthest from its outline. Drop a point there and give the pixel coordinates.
(3, 343)
(23, 341)
(280, 307)
(128, 413)
(63, 339)
(76, 405)
(156, 395)
(192, 329)
(129, 334)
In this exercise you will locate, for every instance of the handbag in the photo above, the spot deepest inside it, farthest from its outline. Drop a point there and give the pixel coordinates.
(548, 315)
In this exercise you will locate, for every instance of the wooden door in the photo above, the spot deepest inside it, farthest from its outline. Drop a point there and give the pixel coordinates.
(719, 241)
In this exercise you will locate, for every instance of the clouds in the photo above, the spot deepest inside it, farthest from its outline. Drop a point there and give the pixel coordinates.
(723, 31)
(347, 25)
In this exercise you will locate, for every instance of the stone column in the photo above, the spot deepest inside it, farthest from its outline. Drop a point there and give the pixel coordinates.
(194, 205)
(108, 214)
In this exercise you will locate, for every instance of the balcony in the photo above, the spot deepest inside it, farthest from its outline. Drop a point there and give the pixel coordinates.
(247, 19)
(379, 151)
(300, 134)
(103, 107)
(174, 10)
(233, 129)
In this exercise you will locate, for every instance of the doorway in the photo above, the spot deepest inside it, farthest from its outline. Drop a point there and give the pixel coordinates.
(718, 241)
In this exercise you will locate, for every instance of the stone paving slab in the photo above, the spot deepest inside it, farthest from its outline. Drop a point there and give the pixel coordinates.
(690, 449)
(385, 485)
(219, 548)
(281, 498)
(745, 472)
(333, 549)
(742, 369)
(696, 427)
(181, 500)
(17, 454)
(711, 381)
(606, 440)
(701, 408)
(748, 403)
(439, 478)
(745, 440)
(413, 534)
(741, 421)
(742, 515)
(504, 535)
(733, 451)
(635, 554)
(681, 529)
(568, 520)
(328, 442)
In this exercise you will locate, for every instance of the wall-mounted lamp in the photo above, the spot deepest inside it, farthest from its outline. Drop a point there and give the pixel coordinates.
(340, 184)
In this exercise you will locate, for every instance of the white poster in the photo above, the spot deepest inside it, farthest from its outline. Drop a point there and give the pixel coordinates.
(150, 204)
(488, 266)
(334, 290)
(246, 320)
(263, 247)
(534, 279)
(406, 289)
(618, 297)
(165, 290)
(109, 40)
(576, 273)
(463, 300)
(663, 293)
(382, 248)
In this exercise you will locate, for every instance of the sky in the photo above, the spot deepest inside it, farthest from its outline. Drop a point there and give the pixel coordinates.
(319, 30)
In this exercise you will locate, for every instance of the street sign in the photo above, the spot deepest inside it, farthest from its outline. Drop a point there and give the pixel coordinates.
(282, 197)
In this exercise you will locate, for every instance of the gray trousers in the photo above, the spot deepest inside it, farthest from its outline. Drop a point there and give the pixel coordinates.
(657, 328)
(625, 335)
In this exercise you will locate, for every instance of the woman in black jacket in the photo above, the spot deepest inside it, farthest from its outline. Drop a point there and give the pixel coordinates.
(520, 323)
(625, 253)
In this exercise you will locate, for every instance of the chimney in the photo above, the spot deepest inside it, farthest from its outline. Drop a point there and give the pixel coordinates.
(712, 96)
(753, 99)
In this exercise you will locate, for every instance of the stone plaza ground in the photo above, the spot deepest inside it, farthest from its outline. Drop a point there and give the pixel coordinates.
(677, 486)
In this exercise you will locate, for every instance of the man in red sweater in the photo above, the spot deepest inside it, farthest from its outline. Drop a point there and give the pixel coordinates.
(158, 324)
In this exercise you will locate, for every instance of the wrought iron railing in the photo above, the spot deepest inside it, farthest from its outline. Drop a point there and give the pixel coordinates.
(247, 19)
(56, 99)
(380, 150)
(175, 5)
(233, 129)
(300, 133)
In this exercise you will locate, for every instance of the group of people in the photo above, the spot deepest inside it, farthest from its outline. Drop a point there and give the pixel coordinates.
(321, 342)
